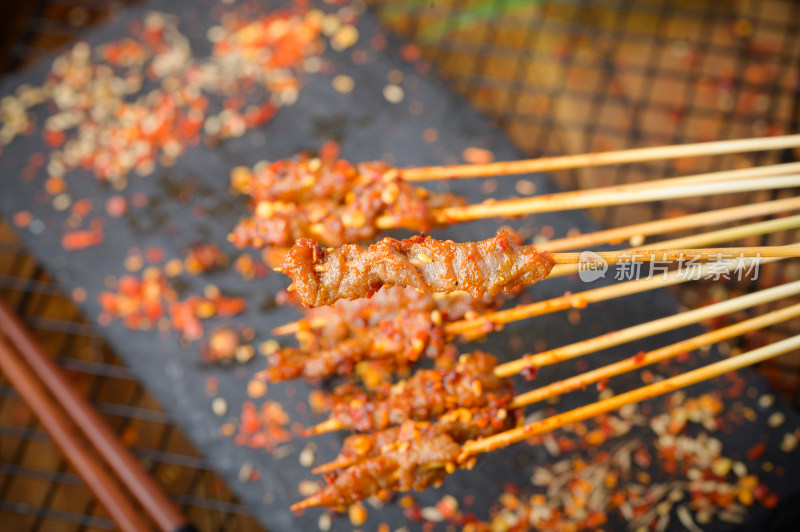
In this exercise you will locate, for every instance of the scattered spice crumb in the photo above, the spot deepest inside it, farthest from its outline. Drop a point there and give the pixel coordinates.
(477, 155)
(219, 406)
(393, 93)
(342, 83)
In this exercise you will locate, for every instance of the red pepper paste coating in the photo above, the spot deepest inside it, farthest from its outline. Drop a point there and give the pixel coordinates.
(428, 394)
(323, 276)
(395, 328)
(332, 200)
(412, 456)
(418, 456)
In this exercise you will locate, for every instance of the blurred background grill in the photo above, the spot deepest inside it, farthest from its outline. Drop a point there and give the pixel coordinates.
(38, 490)
(557, 76)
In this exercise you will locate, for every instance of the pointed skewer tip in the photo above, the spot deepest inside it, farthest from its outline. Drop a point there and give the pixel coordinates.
(329, 425)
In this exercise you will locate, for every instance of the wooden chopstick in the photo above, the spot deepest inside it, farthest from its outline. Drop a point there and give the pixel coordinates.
(118, 458)
(98, 479)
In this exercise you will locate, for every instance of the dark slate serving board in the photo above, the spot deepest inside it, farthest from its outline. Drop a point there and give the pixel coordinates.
(368, 127)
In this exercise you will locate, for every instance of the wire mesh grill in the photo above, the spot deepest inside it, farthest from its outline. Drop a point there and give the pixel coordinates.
(559, 76)
(565, 76)
(38, 489)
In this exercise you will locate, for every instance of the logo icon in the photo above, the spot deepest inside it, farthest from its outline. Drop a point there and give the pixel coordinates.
(591, 266)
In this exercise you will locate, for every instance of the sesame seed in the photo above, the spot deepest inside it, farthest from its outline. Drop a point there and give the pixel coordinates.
(776, 419)
(789, 442)
(636, 240)
(343, 83)
(766, 400)
(525, 187)
(431, 513)
(256, 388)
(306, 457)
(268, 347)
(393, 93)
(344, 38)
(244, 353)
(325, 522)
(245, 472)
(219, 406)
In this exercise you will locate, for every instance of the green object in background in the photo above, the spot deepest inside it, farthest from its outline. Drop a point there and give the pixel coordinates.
(467, 17)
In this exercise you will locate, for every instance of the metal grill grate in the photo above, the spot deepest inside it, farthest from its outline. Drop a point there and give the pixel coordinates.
(567, 76)
(38, 490)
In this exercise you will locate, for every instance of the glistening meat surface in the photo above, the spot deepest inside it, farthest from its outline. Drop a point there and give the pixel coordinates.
(429, 393)
(323, 276)
(330, 199)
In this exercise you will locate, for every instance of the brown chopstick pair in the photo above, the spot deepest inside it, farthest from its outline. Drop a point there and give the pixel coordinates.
(133, 499)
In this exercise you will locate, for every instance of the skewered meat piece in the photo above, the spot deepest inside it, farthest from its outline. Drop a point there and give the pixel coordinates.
(323, 276)
(387, 341)
(329, 199)
(462, 424)
(418, 454)
(428, 394)
(422, 455)
(414, 455)
(394, 328)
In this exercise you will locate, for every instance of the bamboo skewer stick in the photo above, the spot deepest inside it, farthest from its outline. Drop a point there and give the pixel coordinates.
(646, 329)
(671, 384)
(702, 239)
(711, 177)
(503, 439)
(600, 159)
(730, 233)
(295, 326)
(329, 425)
(475, 327)
(664, 254)
(689, 221)
(486, 323)
(597, 198)
(683, 222)
(726, 176)
(658, 355)
(491, 321)
(676, 187)
(630, 334)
